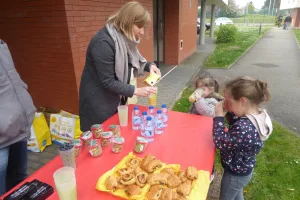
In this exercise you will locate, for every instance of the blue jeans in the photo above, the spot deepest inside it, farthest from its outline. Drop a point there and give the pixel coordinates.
(13, 165)
(232, 187)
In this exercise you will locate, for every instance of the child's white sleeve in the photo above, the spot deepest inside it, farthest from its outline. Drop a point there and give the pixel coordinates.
(205, 107)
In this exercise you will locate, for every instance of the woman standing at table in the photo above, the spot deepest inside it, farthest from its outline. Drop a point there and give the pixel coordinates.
(112, 60)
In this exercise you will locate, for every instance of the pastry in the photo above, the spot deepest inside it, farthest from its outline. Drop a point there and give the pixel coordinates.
(146, 160)
(167, 194)
(137, 170)
(179, 197)
(111, 183)
(156, 179)
(153, 165)
(173, 181)
(127, 179)
(141, 179)
(133, 163)
(191, 173)
(155, 192)
(182, 176)
(185, 188)
(168, 170)
(132, 190)
(125, 170)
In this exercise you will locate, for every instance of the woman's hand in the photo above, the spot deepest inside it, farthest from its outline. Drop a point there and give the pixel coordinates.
(154, 69)
(144, 91)
(219, 110)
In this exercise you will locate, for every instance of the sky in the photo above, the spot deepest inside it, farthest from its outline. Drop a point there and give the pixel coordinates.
(257, 3)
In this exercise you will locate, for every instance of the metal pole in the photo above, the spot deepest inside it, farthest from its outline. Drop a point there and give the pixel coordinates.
(269, 6)
(202, 22)
(273, 7)
(259, 29)
(247, 15)
(212, 20)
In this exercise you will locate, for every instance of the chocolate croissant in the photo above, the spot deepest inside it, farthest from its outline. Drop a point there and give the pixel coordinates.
(182, 176)
(173, 181)
(191, 173)
(133, 163)
(141, 179)
(127, 179)
(155, 192)
(153, 165)
(156, 179)
(146, 160)
(168, 170)
(125, 170)
(185, 188)
(168, 194)
(132, 190)
(111, 183)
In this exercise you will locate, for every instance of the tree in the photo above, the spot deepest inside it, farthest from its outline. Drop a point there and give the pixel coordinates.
(251, 8)
(229, 11)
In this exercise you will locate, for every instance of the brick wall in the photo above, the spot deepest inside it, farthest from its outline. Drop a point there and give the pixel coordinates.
(37, 34)
(188, 28)
(172, 32)
(296, 17)
(86, 17)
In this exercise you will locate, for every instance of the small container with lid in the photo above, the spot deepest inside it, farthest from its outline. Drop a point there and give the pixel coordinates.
(78, 145)
(115, 129)
(86, 138)
(117, 144)
(96, 130)
(106, 138)
(140, 144)
(95, 148)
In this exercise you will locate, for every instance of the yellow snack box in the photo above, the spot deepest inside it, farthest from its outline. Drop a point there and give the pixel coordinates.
(152, 79)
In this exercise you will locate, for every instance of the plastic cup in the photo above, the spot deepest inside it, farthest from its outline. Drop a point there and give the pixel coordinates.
(67, 154)
(123, 115)
(65, 183)
(152, 98)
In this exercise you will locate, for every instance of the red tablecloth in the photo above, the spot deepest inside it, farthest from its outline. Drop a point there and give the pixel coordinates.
(186, 141)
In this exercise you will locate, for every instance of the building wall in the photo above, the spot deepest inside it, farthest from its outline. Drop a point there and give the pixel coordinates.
(188, 28)
(86, 17)
(37, 35)
(296, 17)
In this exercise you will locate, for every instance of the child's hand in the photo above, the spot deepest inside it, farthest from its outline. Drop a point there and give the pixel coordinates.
(219, 110)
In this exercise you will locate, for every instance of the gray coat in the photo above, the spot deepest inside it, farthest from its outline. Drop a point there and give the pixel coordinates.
(100, 90)
(16, 106)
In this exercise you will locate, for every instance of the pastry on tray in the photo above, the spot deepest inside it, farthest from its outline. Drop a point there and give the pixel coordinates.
(155, 192)
(191, 173)
(133, 163)
(146, 160)
(132, 190)
(185, 188)
(182, 176)
(173, 181)
(125, 170)
(111, 183)
(156, 179)
(153, 165)
(141, 179)
(168, 194)
(127, 179)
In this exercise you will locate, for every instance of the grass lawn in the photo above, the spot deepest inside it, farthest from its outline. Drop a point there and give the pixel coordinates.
(226, 53)
(277, 173)
(254, 19)
(297, 34)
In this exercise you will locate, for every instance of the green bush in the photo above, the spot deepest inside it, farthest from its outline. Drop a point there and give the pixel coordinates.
(227, 34)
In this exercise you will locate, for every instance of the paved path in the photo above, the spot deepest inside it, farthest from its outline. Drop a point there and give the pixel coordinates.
(276, 59)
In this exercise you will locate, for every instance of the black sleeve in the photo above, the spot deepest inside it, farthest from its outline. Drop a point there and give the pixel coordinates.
(104, 58)
(147, 67)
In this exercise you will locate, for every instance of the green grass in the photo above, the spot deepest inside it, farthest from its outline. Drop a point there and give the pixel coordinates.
(226, 53)
(254, 19)
(277, 173)
(297, 34)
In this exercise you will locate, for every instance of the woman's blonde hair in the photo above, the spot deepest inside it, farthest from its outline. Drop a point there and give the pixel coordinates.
(132, 13)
